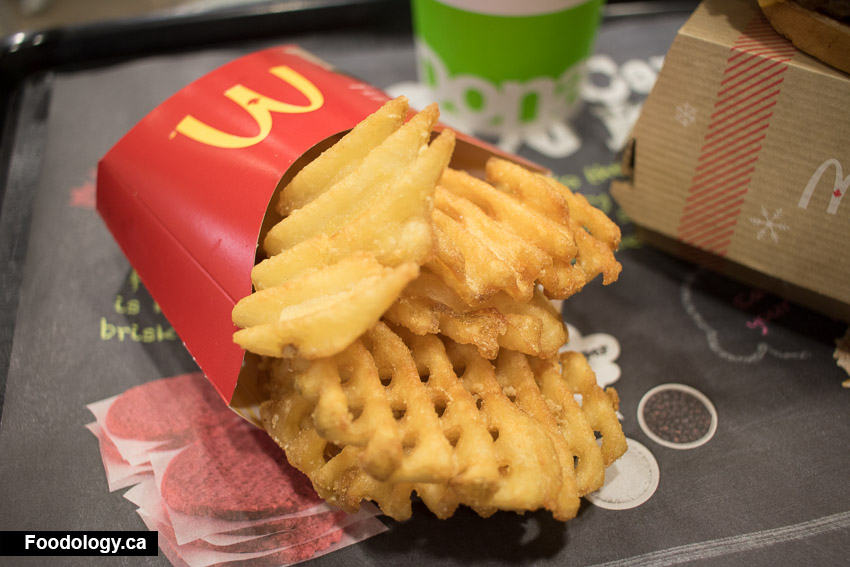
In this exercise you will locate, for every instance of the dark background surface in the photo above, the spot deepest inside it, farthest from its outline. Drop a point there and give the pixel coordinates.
(771, 487)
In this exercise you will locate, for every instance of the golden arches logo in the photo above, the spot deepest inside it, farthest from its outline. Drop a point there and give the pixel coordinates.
(258, 106)
(839, 186)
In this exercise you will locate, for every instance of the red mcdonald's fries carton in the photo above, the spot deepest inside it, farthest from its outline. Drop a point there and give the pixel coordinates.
(741, 158)
(186, 192)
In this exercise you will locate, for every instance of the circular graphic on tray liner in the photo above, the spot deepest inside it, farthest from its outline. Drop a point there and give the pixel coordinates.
(677, 416)
(630, 481)
(672, 415)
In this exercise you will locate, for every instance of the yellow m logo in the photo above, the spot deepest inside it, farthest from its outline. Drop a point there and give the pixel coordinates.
(258, 106)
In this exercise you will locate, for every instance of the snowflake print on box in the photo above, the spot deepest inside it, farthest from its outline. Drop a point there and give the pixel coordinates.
(769, 225)
(686, 114)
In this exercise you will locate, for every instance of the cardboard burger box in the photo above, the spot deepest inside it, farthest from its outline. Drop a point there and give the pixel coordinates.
(741, 158)
(187, 192)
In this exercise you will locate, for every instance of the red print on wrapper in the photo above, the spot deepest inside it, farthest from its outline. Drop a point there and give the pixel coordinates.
(171, 409)
(746, 98)
(236, 472)
(217, 489)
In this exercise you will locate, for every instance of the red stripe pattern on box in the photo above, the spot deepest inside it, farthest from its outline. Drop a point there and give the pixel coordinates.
(746, 96)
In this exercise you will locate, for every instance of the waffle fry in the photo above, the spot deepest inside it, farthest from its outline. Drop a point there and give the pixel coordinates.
(428, 305)
(372, 181)
(342, 158)
(293, 319)
(335, 472)
(560, 381)
(364, 410)
(596, 405)
(395, 423)
(516, 230)
(471, 432)
(357, 237)
(411, 346)
(395, 230)
(529, 464)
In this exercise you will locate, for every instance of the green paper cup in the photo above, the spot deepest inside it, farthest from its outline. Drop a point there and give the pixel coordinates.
(504, 67)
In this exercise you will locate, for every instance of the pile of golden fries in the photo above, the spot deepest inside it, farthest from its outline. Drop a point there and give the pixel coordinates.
(403, 317)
